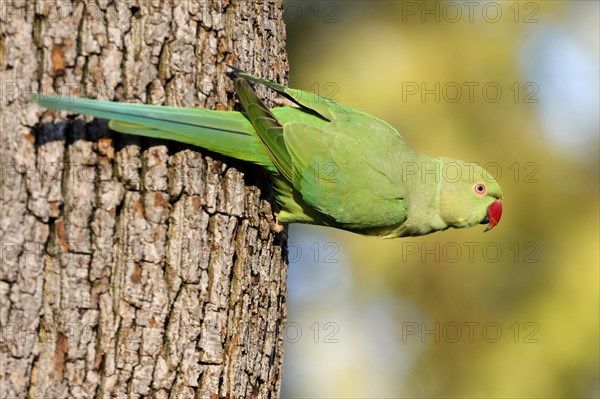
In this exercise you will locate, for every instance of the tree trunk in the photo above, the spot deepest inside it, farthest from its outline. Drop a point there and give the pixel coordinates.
(134, 267)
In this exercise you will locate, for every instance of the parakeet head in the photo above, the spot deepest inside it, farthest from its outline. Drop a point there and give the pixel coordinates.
(469, 195)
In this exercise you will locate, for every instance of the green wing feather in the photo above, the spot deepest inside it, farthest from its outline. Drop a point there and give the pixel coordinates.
(325, 107)
(266, 126)
(345, 177)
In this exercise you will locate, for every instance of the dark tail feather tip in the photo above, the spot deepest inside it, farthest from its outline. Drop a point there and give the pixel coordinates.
(235, 71)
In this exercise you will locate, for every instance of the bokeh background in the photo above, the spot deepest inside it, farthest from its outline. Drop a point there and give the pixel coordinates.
(513, 313)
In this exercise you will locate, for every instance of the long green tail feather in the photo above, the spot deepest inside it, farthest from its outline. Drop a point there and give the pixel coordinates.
(228, 133)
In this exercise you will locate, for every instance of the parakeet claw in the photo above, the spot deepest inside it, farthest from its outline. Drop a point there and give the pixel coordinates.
(276, 226)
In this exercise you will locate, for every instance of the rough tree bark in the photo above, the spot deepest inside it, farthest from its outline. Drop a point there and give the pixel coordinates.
(134, 267)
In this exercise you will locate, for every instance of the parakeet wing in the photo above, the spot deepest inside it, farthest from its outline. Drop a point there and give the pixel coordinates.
(339, 169)
(325, 107)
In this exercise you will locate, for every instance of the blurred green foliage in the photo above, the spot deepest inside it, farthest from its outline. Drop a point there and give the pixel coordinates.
(535, 278)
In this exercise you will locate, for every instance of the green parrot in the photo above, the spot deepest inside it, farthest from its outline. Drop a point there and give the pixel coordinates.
(332, 165)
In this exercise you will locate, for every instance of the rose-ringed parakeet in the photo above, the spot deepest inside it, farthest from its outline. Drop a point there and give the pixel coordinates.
(332, 165)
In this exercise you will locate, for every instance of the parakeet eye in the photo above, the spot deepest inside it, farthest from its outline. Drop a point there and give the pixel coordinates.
(480, 188)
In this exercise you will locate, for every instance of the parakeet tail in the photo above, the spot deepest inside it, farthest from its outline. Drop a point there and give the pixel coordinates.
(228, 133)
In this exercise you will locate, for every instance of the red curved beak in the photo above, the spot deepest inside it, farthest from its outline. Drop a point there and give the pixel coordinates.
(494, 213)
